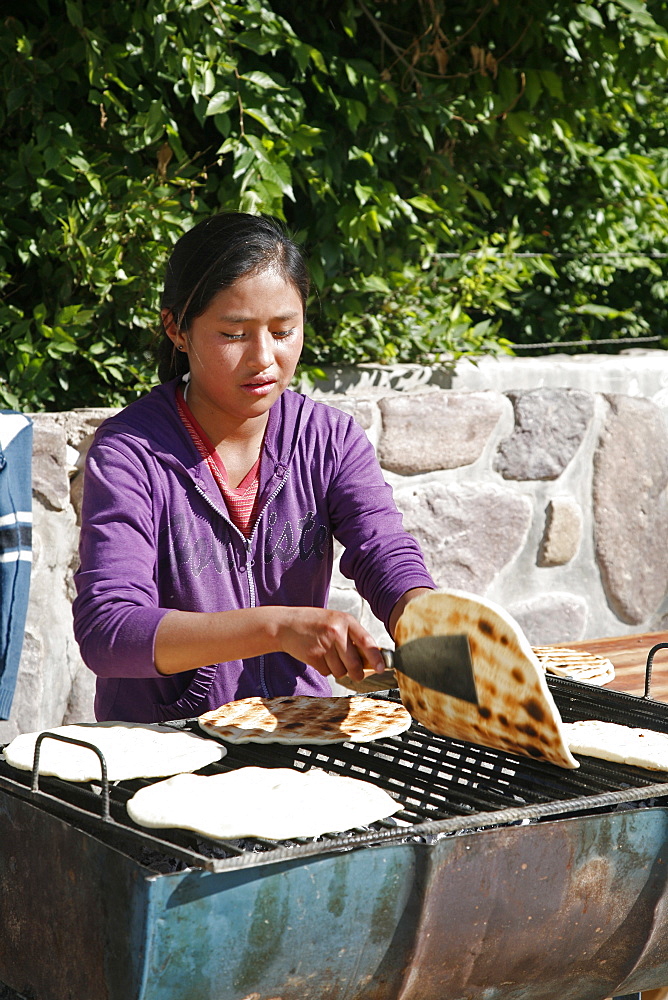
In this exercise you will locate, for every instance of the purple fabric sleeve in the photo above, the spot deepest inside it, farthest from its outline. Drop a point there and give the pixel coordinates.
(117, 613)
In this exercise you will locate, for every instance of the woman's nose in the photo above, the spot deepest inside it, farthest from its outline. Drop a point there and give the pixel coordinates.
(260, 352)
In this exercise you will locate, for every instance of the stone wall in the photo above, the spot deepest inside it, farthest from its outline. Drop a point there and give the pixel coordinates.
(551, 499)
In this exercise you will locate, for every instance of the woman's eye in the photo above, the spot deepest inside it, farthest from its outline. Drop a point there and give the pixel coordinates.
(232, 336)
(280, 334)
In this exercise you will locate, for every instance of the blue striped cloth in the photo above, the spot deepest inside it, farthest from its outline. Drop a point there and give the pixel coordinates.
(15, 546)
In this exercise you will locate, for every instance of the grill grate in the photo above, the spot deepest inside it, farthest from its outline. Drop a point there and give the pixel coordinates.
(445, 786)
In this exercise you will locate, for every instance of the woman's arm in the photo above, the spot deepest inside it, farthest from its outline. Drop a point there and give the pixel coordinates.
(401, 604)
(332, 642)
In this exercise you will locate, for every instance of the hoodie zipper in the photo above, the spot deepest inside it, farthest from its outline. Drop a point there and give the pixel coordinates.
(247, 542)
(251, 581)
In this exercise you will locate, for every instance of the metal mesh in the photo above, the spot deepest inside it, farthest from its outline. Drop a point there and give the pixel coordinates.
(445, 786)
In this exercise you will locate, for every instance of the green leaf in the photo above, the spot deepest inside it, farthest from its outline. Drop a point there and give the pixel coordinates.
(262, 80)
(277, 173)
(533, 87)
(552, 84)
(374, 283)
(517, 123)
(317, 59)
(590, 14)
(603, 312)
(222, 101)
(263, 118)
(424, 204)
(479, 196)
(74, 15)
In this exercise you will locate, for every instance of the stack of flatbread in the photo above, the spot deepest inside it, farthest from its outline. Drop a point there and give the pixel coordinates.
(276, 803)
(579, 665)
(130, 750)
(297, 719)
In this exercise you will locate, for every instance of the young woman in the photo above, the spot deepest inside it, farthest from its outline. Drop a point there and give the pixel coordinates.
(210, 505)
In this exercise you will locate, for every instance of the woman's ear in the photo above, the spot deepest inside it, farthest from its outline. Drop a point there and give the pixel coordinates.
(172, 330)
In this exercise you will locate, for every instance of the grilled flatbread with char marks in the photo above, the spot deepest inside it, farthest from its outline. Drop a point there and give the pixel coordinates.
(516, 711)
(581, 666)
(299, 719)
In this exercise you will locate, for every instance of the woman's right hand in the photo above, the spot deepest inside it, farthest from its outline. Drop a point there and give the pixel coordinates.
(332, 642)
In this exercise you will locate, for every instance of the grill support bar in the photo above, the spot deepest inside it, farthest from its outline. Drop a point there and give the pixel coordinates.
(106, 815)
(648, 668)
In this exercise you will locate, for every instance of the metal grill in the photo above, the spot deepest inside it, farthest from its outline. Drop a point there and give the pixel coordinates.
(445, 786)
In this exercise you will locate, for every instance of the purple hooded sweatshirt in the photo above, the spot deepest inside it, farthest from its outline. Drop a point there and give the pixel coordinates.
(156, 535)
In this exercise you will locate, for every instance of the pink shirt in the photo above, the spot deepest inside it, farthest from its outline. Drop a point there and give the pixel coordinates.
(241, 500)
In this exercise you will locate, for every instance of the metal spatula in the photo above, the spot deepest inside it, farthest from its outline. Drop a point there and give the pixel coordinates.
(440, 662)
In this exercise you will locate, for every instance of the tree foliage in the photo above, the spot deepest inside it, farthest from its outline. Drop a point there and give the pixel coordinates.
(462, 175)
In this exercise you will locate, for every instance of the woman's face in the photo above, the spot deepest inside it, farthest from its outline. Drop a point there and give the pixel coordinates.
(243, 349)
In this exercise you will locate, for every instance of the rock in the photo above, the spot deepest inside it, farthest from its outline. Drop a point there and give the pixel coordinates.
(50, 464)
(372, 376)
(425, 432)
(630, 507)
(551, 618)
(345, 599)
(467, 532)
(81, 701)
(80, 425)
(362, 410)
(563, 532)
(76, 494)
(375, 627)
(550, 425)
(50, 656)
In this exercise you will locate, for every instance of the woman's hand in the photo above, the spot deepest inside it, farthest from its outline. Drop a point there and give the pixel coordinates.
(332, 642)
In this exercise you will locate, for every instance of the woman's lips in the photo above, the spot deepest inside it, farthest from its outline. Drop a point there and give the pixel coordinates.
(259, 387)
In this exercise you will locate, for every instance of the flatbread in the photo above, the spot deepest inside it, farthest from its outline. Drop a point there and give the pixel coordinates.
(582, 666)
(621, 744)
(131, 750)
(274, 803)
(298, 719)
(515, 711)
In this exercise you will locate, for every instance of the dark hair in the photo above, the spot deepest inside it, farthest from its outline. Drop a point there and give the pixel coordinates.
(212, 256)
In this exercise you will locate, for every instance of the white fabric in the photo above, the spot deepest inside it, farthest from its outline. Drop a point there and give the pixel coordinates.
(11, 424)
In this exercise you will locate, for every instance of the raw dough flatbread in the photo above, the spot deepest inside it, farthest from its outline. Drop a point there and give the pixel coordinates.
(298, 719)
(276, 803)
(582, 666)
(131, 750)
(621, 744)
(515, 711)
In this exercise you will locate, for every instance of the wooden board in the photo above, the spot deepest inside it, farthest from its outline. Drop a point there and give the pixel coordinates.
(628, 654)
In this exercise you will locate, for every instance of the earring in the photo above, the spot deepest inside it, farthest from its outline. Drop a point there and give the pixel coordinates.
(181, 347)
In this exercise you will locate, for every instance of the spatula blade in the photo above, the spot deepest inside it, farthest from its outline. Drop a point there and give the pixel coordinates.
(440, 662)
